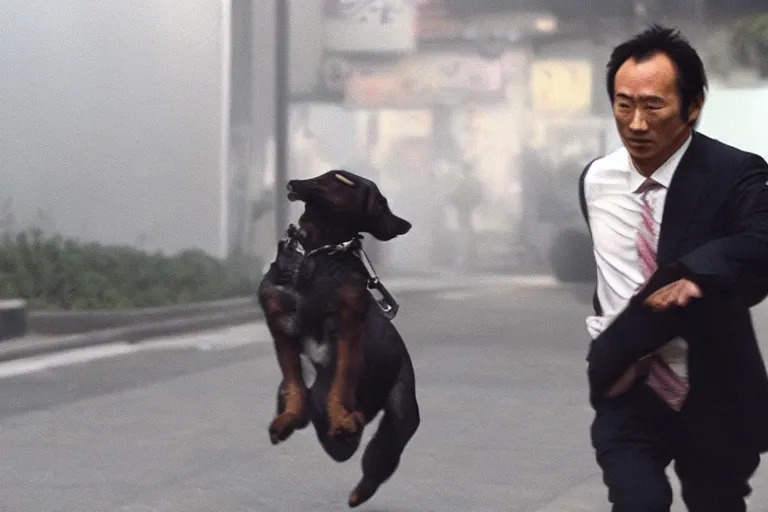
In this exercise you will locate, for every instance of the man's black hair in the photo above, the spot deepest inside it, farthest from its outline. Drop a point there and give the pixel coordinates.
(691, 76)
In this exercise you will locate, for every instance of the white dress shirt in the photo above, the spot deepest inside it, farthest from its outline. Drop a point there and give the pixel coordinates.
(614, 208)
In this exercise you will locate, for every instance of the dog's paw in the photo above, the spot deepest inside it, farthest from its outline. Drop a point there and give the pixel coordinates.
(362, 493)
(283, 426)
(345, 424)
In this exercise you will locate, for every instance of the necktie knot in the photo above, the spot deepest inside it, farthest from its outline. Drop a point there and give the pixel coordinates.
(648, 185)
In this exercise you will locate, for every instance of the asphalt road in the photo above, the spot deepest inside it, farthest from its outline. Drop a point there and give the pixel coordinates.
(180, 425)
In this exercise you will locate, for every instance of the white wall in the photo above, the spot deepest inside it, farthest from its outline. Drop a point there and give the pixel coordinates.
(111, 118)
(737, 117)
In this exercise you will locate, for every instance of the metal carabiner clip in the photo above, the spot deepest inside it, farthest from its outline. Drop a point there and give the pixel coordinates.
(384, 300)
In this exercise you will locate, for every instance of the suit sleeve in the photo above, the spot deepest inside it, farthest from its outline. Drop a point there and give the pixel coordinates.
(636, 332)
(736, 266)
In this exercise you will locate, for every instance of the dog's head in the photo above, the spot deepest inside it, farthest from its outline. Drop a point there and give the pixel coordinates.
(351, 200)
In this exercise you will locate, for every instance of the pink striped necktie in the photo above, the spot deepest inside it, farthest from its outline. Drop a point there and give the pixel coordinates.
(661, 378)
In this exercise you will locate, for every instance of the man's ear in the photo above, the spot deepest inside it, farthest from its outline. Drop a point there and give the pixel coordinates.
(694, 110)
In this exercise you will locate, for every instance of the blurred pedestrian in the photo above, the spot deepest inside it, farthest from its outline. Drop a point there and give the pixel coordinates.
(467, 196)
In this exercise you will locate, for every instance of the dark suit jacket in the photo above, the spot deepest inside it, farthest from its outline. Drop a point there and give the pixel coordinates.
(714, 231)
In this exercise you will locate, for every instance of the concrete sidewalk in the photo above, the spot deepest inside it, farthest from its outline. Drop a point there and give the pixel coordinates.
(33, 344)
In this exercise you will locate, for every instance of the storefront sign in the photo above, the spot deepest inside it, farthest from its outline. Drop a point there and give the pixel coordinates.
(370, 26)
(425, 80)
(561, 86)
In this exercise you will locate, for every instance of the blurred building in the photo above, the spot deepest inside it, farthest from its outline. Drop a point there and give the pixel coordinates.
(152, 125)
(115, 122)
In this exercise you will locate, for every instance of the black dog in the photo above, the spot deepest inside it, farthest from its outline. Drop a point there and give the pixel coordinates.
(317, 302)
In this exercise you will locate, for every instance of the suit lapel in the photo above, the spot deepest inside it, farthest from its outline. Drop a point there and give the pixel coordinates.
(683, 196)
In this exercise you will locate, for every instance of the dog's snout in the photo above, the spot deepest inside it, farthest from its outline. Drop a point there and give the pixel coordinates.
(293, 195)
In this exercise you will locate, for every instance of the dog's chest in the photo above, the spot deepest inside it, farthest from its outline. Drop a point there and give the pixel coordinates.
(317, 358)
(306, 309)
(317, 330)
(311, 320)
(318, 351)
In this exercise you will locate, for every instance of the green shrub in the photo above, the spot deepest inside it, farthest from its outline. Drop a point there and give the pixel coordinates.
(51, 272)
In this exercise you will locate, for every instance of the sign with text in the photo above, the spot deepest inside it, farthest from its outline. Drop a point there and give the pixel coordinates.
(561, 86)
(386, 26)
(424, 80)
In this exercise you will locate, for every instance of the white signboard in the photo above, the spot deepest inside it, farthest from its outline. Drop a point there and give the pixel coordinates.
(370, 25)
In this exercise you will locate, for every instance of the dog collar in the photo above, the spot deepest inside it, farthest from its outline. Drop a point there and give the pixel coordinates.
(384, 300)
(293, 241)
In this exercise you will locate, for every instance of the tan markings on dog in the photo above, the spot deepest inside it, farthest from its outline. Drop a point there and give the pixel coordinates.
(349, 361)
(272, 304)
(344, 180)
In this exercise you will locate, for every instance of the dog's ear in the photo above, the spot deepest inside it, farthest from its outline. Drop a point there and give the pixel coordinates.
(373, 200)
(381, 222)
(385, 229)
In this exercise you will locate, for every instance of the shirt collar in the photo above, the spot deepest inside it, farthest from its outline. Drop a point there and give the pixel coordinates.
(663, 175)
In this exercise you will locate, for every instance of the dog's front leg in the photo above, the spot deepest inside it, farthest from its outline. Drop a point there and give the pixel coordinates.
(279, 311)
(343, 417)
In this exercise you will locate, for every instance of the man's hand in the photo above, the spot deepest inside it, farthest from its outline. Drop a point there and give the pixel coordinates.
(678, 293)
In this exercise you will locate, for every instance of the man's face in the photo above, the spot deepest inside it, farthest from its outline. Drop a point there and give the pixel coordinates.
(647, 106)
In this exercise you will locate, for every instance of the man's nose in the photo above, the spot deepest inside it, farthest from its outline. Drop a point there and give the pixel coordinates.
(638, 123)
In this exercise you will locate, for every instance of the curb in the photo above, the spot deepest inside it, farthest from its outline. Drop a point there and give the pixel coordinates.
(38, 344)
(13, 318)
(63, 323)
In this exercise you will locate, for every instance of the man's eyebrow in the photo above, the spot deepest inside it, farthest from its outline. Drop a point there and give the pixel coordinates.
(648, 98)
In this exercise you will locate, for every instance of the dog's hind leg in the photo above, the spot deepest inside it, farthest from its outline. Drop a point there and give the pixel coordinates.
(398, 425)
(337, 449)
